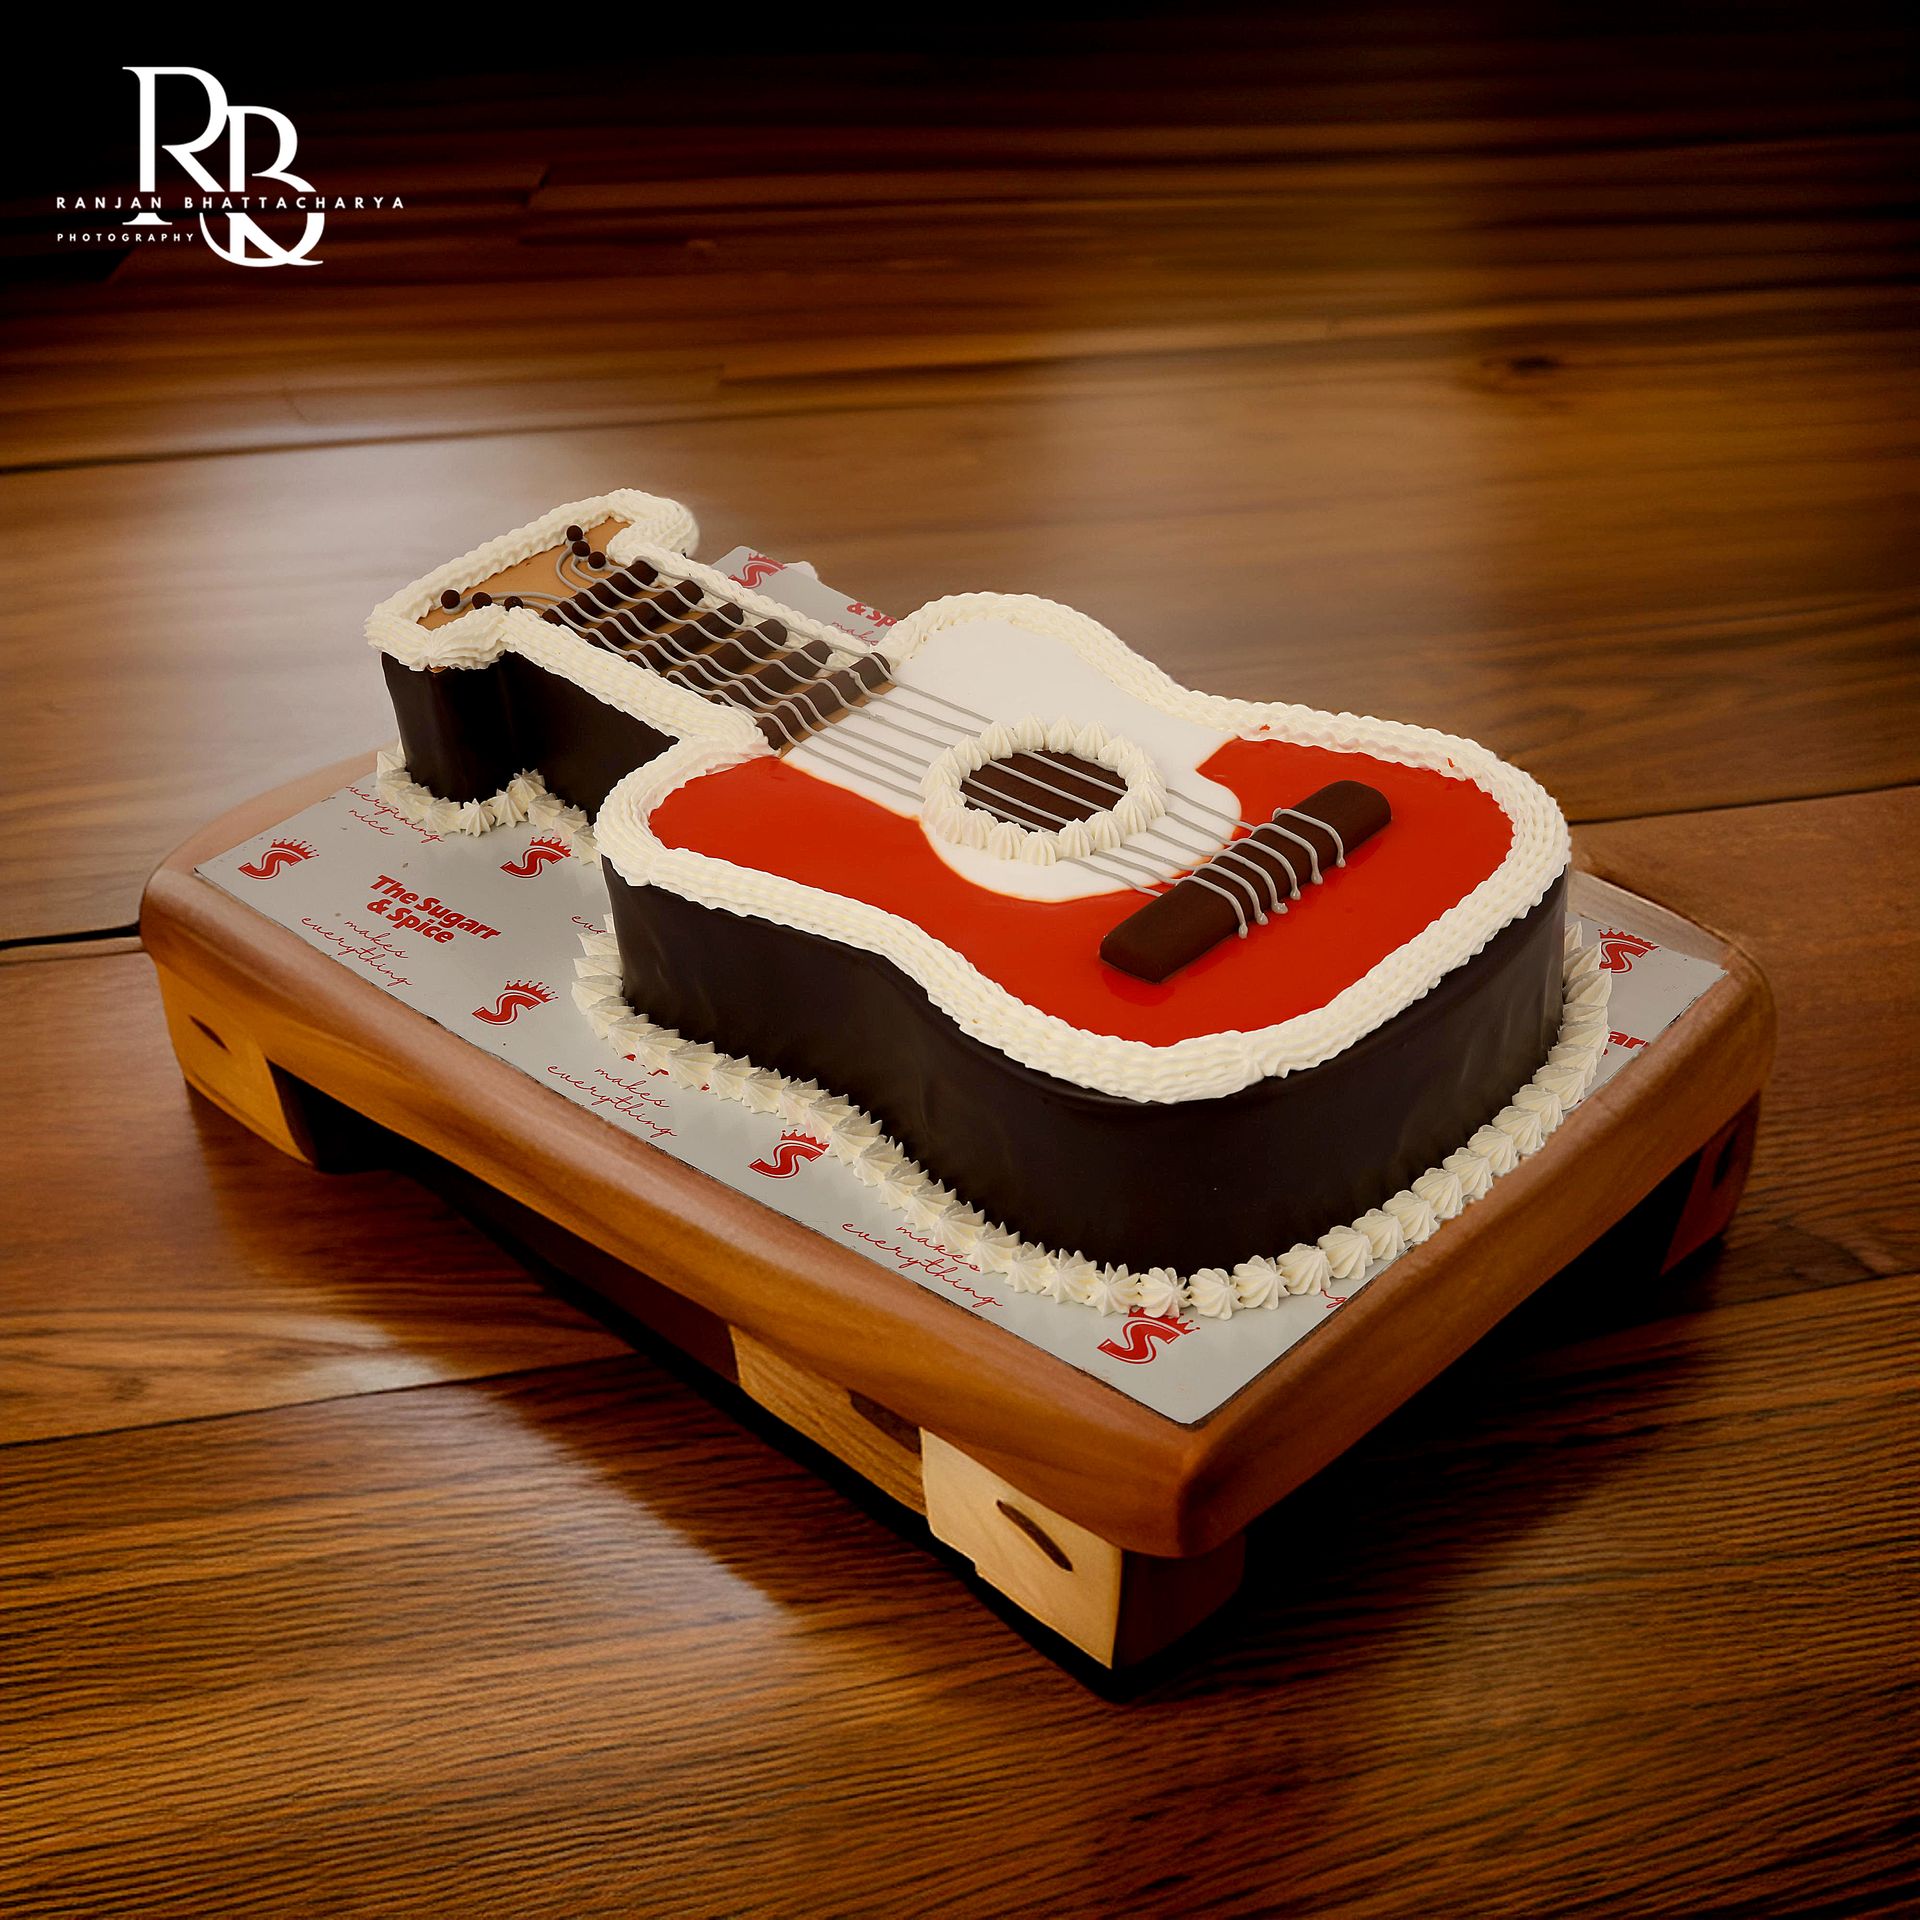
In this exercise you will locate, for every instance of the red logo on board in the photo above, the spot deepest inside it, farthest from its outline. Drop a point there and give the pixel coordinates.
(544, 852)
(515, 998)
(1143, 1335)
(278, 857)
(793, 1152)
(757, 568)
(1618, 951)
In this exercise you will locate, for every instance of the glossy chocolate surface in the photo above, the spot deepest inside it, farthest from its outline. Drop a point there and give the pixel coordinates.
(1186, 1185)
(466, 731)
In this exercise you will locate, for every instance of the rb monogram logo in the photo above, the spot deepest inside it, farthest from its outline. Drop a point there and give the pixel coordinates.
(243, 231)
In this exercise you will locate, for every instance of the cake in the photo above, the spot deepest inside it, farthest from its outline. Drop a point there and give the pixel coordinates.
(1132, 994)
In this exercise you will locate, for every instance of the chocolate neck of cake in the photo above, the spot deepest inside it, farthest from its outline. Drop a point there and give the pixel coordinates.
(1247, 881)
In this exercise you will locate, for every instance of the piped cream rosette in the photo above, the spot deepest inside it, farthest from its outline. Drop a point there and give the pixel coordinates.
(525, 799)
(949, 815)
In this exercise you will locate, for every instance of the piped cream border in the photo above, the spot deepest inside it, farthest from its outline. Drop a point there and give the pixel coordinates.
(526, 798)
(946, 813)
(709, 736)
(1343, 1254)
(1205, 1066)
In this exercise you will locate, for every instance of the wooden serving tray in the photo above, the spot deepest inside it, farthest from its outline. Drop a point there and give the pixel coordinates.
(1112, 1525)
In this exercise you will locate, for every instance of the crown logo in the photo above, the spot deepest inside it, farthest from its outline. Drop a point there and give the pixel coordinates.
(546, 851)
(786, 1160)
(278, 857)
(1620, 949)
(513, 1000)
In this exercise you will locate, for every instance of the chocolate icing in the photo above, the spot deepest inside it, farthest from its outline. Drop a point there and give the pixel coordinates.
(466, 731)
(1190, 1184)
(454, 727)
(581, 746)
(1186, 1184)
(811, 708)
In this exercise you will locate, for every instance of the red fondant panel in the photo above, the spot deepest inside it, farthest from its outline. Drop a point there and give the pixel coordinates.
(1446, 837)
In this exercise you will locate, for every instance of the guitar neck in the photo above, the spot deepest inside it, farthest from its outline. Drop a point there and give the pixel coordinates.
(793, 687)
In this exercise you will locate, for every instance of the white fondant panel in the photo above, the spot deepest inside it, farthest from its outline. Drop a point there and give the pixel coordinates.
(990, 670)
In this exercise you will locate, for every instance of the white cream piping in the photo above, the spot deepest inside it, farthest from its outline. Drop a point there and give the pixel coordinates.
(658, 531)
(525, 798)
(946, 812)
(1204, 1066)
(1343, 1254)
(710, 735)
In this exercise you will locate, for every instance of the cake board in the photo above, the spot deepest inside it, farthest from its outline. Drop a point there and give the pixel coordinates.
(1113, 1526)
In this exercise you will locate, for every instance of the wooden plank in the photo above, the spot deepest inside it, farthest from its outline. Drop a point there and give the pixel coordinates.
(162, 1265)
(1439, 538)
(1831, 1196)
(1639, 1599)
(404, 362)
(1118, 1608)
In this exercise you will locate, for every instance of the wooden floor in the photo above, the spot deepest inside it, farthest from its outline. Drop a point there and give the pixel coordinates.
(1562, 393)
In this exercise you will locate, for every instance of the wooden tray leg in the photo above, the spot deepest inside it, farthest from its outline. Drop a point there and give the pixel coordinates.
(1719, 1179)
(222, 1061)
(1118, 1607)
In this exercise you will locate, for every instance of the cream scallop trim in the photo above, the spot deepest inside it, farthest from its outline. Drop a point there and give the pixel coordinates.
(947, 813)
(525, 798)
(658, 531)
(472, 640)
(1343, 1254)
(1204, 1066)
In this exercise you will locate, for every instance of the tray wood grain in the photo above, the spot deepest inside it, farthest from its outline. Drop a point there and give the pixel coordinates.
(1114, 1525)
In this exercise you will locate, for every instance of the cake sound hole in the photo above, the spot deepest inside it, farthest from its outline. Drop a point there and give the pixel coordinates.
(1045, 791)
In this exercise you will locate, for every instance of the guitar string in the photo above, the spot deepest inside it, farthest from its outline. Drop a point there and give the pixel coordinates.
(768, 702)
(1210, 849)
(999, 812)
(1090, 862)
(874, 711)
(798, 694)
(1229, 853)
(573, 569)
(1191, 800)
(603, 617)
(762, 699)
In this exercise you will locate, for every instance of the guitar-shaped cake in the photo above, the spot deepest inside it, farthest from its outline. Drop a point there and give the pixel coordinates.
(1138, 975)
